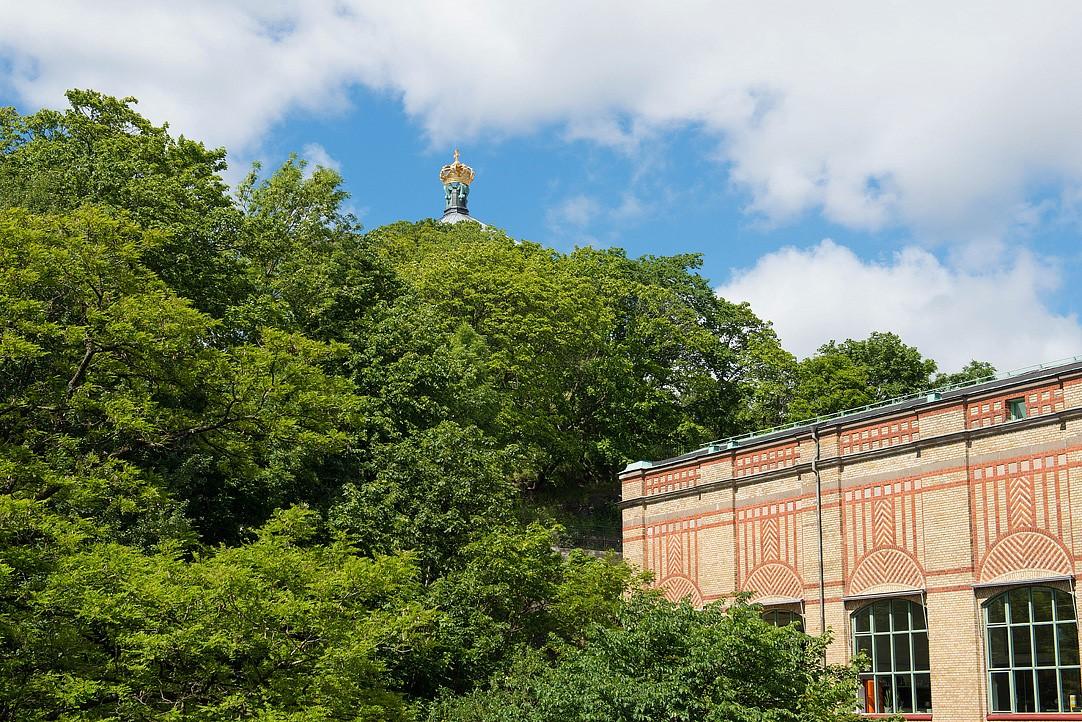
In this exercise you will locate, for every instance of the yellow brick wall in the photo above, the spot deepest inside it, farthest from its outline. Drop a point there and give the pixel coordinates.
(718, 469)
(954, 647)
(1072, 393)
(937, 422)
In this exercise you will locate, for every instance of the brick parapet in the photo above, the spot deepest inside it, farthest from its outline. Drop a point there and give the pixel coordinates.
(942, 420)
(991, 410)
(719, 469)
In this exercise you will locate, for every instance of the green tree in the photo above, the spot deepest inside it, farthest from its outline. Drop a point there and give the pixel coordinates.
(257, 464)
(101, 152)
(595, 358)
(513, 592)
(99, 356)
(855, 373)
(429, 493)
(681, 364)
(541, 326)
(280, 628)
(667, 661)
(827, 383)
(971, 372)
(893, 368)
(311, 271)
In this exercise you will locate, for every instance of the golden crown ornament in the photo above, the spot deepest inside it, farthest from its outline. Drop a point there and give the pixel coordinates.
(456, 172)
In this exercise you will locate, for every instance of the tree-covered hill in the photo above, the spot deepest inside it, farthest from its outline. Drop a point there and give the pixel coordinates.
(258, 463)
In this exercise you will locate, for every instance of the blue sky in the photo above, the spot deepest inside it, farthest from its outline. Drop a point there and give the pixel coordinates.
(672, 196)
(846, 167)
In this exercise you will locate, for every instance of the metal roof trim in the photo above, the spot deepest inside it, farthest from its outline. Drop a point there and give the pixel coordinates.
(1024, 582)
(884, 595)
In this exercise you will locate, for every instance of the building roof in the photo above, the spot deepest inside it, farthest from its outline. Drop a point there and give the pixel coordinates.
(454, 216)
(932, 397)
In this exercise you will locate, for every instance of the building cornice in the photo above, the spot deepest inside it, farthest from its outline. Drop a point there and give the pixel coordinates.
(929, 401)
(912, 447)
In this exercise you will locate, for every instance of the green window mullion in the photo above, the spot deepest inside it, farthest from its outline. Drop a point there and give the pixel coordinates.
(1056, 657)
(912, 666)
(1010, 654)
(912, 663)
(1033, 652)
(894, 661)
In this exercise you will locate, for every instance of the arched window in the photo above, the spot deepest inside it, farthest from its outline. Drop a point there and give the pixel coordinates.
(783, 618)
(1031, 642)
(894, 635)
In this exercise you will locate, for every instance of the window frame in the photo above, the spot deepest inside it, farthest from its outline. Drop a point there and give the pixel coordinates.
(1014, 672)
(1019, 403)
(773, 614)
(871, 631)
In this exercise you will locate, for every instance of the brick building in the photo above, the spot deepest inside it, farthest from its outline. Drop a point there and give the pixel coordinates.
(937, 534)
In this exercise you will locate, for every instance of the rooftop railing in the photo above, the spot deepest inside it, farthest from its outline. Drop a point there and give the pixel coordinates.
(931, 394)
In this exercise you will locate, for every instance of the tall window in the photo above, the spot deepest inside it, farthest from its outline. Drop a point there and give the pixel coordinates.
(894, 635)
(1031, 638)
(783, 618)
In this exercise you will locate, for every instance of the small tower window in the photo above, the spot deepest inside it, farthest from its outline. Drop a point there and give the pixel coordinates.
(1016, 408)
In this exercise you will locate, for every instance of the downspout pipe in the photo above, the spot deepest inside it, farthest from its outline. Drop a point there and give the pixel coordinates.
(819, 520)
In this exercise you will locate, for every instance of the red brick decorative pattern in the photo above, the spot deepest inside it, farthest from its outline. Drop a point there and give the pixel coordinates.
(671, 480)
(1025, 551)
(768, 543)
(879, 435)
(987, 412)
(677, 588)
(883, 535)
(886, 568)
(768, 459)
(1021, 515)
(774, 581)
(672, 554)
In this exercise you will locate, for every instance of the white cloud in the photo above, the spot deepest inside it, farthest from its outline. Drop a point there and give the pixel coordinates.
(938, 116)
(316, 155)
(572, 218)
(827, 292)
(221, 72)
(630, 209)
(577, 211)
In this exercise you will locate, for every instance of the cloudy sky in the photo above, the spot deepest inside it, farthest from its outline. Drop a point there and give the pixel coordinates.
(844, 166)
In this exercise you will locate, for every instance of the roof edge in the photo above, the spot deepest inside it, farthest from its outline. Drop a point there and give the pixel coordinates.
(930, 398)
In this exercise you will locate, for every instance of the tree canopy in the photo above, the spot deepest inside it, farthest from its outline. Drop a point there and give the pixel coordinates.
(669, 662)
(855, 373)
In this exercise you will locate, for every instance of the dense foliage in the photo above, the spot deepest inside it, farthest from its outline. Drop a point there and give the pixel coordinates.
(851, 374)
(665, 662)
(258, 464)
